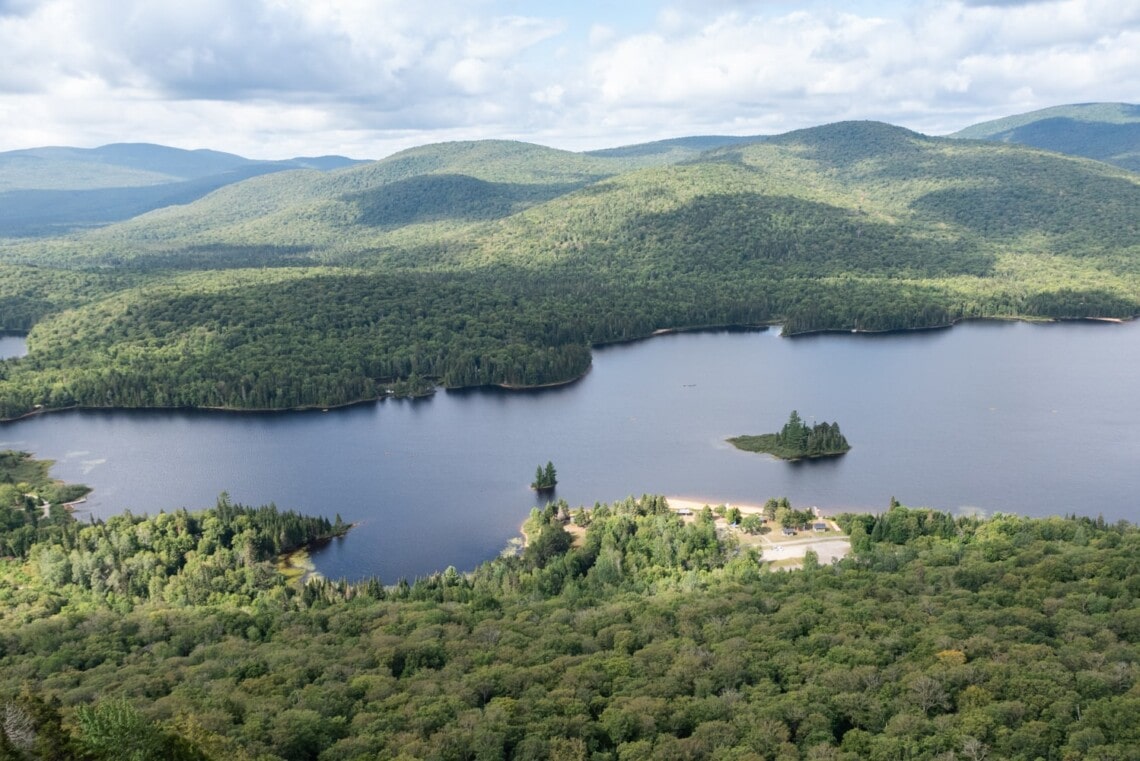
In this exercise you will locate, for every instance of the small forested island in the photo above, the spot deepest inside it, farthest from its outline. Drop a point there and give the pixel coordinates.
(546, 478)
(797, 440)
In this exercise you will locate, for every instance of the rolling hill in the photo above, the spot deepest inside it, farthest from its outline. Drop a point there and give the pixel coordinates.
(674, 150)
(496, 262)
(1108, 132)
(53, 190)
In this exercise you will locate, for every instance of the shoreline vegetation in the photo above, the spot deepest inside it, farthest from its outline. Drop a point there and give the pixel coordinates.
(666, 615)
(797, 441)
(749, 525)
(786, 552)
(36, 508)
(297, 567)
(388, 393)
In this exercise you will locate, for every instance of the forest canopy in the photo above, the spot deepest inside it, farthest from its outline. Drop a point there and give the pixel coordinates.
(650, 636)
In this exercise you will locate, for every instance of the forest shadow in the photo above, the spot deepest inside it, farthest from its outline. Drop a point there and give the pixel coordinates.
(458, 197)
(1113, 143)
(801, 237)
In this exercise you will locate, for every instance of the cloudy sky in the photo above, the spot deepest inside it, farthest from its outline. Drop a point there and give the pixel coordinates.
(364, 78)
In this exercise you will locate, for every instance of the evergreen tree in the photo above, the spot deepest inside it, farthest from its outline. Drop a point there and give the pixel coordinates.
(545, 478)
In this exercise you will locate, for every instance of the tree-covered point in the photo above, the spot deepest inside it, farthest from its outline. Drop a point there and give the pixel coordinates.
(797, 440)
(498, 263)
(33, 506)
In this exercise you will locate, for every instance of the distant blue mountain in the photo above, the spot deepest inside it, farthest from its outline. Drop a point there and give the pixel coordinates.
(1108, 132)
(53, 190)
(673, 149)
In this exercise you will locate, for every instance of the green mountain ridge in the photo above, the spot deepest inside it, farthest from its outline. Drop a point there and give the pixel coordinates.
(673, 150)
(1108, 132)
(496, 262)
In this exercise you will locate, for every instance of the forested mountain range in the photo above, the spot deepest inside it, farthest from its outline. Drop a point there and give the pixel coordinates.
(45, 191)
(497, 262)
(1103, 131)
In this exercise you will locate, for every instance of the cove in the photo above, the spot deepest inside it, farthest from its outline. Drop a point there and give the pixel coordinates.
(12, 346)
(1036, 419)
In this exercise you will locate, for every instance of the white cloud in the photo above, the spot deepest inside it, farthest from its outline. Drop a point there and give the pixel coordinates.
(600, 34)
(821, 66)
(549, 96)
(262, 77)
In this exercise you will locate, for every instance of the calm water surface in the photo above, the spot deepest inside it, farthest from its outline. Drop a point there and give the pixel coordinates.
(12, 346)
(1013, 417)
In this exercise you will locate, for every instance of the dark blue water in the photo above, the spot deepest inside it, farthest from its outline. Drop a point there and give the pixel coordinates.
(1000, 417)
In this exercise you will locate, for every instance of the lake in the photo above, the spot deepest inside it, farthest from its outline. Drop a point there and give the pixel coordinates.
(1036, 419)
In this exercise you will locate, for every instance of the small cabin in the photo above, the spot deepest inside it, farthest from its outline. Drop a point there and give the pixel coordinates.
(789, 531)
(819, 526)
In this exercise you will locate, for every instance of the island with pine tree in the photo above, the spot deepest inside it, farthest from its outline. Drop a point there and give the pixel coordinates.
(545, 479)
(797, 440)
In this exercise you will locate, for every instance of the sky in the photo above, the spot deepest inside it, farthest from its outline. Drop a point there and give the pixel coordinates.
(273, 79)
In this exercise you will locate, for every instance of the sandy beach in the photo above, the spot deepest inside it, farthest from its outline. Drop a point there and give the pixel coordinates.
(694, 504)
(783, 551)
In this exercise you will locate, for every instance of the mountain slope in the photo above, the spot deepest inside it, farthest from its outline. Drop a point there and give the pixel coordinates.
(496, 262)
(1108, 132)
(437, 186)
(671, 151)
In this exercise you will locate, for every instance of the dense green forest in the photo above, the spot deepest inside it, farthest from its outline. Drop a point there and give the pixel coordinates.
(797, 440)
(173, 637)
(496, 262)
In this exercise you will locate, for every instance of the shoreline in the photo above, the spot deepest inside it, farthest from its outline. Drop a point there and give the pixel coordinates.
(41, 410)
(537, 387)
(952, 323)
(697, 504)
